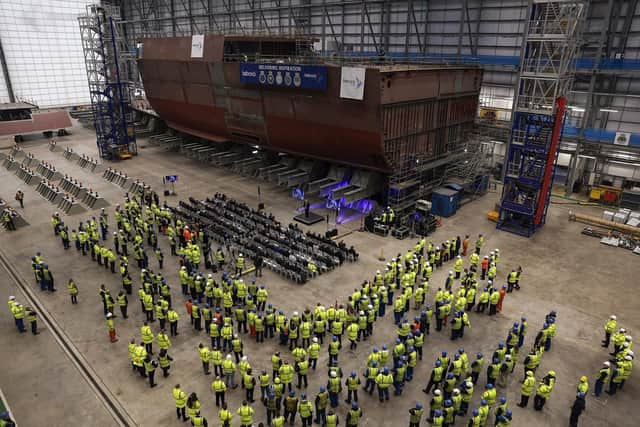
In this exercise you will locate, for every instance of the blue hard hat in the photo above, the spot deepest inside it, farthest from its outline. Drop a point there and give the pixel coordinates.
(397, 340)
(448, 402)
(384, 346)
(322, 389)
(461, 350)
(374, 363)
(501, 345)
(503, 399)
(410, 335)
(438, 363)
(437, 412)
(444, 354)
(508, 413)
(456, 356)
(354, 405)
(353, 373)
(479, 355)
(489, 386)
(375, 349)
(475, 412)
(450, 375)
(483, 402)
(546, 325)
(292, 393)
(385, 370)
(523, 318)
(419, 405)
(335, 338)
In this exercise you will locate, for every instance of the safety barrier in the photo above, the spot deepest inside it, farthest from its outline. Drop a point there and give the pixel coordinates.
(139, 187)
(17, 219)
(48, 171)
(10, 163)
(72, 186)
(93, 200)
(17, 151)
(49, 191)
(118, 178)
(88, 162)
(29, 160)
(53, 146)
(69, 154)
(27, 175)
(70, 205)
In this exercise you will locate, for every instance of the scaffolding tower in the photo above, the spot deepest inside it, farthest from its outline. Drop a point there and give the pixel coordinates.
(106, 56)
(547, 67)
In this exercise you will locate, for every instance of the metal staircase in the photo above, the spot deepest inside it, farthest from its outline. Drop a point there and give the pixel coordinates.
(105, 56)
(547, 66)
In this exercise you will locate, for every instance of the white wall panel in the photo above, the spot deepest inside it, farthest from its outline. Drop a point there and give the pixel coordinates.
(42, 46)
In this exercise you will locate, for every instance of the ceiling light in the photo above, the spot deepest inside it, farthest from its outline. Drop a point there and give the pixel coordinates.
(609, 110)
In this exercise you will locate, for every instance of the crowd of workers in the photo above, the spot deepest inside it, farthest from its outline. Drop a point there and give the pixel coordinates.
(229, 310)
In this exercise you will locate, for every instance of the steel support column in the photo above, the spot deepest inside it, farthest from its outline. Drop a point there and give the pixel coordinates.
(7, 76)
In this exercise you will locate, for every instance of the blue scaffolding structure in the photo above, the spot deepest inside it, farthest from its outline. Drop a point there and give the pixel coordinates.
(109, 91)
(547, 66)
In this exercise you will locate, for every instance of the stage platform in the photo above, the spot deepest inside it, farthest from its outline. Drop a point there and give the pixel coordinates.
(309, 220)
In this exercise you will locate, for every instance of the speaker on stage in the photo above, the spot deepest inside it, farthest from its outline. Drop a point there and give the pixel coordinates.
(260, 206)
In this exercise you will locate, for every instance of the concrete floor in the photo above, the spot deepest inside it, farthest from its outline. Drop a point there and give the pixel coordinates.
(581, 279)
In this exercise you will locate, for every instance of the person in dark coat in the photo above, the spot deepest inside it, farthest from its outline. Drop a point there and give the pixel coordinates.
(578, 407)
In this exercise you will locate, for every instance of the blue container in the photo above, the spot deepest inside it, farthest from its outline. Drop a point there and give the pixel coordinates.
(444, 202)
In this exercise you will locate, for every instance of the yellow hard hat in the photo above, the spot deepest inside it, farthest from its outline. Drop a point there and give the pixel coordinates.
(583, 379)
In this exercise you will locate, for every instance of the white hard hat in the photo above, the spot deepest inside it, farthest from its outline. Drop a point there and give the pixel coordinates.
(628, 358)
(245, 358)
(109, 315)
(607, 363)
(377, 271)
(209, 275)
(12, 297)
(361, 313)
(456, 391)
(630, 353)
(295, 313)
(623, 330)
(613, 317)
(450, 272)
(333, 374)
(315, 339)
(228, 357)
(183, 268)
(437, 392)
(239, 254)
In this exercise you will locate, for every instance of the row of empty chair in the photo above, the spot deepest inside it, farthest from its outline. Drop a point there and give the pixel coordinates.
(286, 250)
